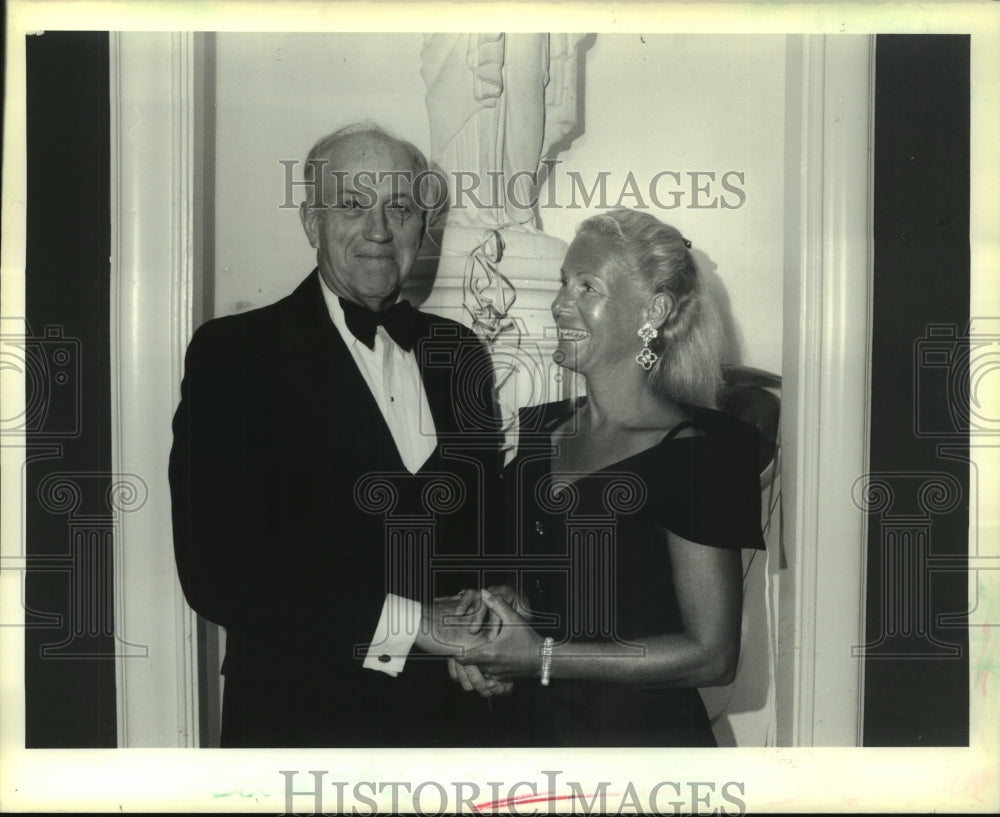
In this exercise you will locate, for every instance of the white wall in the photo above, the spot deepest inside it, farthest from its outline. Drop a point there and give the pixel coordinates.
(276, 95)
(686, 104)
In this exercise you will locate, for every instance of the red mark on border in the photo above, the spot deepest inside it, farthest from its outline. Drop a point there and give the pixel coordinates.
(529, 798)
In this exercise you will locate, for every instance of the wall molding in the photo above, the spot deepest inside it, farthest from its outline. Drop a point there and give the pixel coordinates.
(155, 277)
(827, 339)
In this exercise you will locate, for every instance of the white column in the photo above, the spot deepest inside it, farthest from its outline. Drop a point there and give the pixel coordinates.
(153, 300)
(827, 331)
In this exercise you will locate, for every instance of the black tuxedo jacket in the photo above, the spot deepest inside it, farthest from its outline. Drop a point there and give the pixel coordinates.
(283, 526)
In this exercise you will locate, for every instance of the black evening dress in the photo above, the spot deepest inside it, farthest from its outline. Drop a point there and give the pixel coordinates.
(594, 566)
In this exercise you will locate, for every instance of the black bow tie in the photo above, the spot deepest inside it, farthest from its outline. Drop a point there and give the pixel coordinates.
(399, 321)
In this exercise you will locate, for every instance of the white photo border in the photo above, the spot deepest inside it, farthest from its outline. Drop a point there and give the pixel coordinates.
(772, 780)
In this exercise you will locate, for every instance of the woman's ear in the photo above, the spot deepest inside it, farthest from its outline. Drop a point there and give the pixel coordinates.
(659, 309)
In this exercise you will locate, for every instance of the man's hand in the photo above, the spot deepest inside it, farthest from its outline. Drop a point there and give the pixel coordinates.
(446, 629)
(482, 617)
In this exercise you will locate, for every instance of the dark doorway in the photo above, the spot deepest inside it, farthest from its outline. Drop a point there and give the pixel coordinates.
(69, 606)
(916, 658)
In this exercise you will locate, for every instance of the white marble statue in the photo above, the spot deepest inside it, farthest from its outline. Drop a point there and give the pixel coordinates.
(497, 104)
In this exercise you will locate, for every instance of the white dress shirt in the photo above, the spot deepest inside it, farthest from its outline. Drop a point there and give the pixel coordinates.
(393, 377)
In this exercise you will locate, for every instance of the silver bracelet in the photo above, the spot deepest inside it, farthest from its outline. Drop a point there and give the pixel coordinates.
(546, 660)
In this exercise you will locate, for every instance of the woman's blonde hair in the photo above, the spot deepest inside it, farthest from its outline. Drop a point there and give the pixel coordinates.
(689, 342)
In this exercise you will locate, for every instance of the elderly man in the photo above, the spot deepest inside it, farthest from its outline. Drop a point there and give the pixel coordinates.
(313, 443)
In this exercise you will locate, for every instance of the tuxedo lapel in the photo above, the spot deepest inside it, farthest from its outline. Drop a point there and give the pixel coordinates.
(322, 378)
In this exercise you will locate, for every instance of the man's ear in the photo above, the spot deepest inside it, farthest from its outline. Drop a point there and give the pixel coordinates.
(308, 217)
(659, 309)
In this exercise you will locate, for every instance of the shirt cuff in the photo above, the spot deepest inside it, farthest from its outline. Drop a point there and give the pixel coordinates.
(394, 636)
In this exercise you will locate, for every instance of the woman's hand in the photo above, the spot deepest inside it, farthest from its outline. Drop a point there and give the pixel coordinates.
(471, 679)
(514, 649)
(481, 618)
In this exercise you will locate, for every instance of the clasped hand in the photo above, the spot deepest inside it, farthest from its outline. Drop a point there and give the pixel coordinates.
(507, 647)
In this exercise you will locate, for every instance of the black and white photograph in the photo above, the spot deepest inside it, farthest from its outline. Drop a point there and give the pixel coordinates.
(597, 414)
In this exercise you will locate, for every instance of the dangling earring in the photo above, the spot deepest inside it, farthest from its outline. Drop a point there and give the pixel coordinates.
(647, 357)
